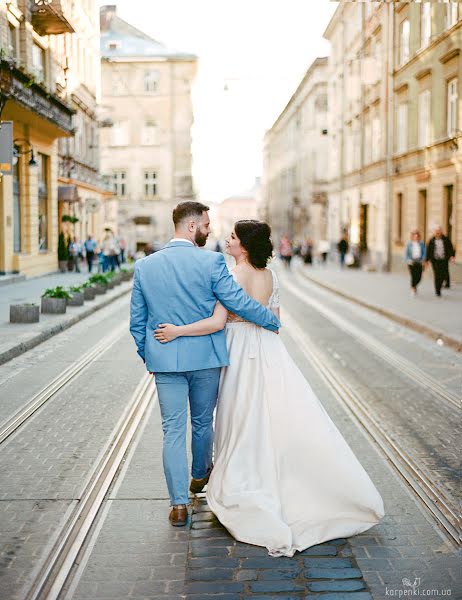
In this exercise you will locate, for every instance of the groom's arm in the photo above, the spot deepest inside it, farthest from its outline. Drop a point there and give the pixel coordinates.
(138, 314)
(233, 297)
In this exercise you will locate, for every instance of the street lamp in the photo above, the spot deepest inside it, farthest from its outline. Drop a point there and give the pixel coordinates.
(18, 153)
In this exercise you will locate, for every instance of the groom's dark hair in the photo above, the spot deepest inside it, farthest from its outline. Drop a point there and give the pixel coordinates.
(185, 210)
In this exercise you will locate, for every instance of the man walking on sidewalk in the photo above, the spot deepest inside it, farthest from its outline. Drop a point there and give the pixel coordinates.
(90, 247)
(439, 252)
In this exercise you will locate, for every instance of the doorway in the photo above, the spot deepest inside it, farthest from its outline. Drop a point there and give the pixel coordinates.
(422, 214)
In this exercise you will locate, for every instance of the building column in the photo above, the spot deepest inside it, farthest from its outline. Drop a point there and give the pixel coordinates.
(6, 224)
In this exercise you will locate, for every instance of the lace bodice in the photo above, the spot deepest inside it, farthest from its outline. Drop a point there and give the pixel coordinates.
(273, 302)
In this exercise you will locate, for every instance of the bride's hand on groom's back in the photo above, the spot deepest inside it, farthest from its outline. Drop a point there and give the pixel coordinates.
(166, 332)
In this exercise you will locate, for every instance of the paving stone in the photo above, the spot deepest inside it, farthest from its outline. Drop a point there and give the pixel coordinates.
(281, 574)
(246, 551)
(328, 563)
(276, 586)
(320, 551)
(332, 573)
(269, 563)
(341, 596)
(209, 551)
(246, 575)
(348, 585)
(214, 574)
(202, 587)
(213, 562)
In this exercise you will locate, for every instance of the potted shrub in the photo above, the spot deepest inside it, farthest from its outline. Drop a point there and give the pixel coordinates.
(110, 279)
(77, 296)
(54, 300)
(125, 274)
(100, 283)
(63, 253)
(24, 313)
(88, 290)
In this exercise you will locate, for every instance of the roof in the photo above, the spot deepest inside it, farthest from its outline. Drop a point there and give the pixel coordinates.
(128, 41)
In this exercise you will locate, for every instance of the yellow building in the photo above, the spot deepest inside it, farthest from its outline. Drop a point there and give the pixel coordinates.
(29, 196)
(427, 164)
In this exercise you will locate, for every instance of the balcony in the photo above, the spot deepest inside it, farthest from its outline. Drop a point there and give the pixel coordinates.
(50, 17)
(20, 87)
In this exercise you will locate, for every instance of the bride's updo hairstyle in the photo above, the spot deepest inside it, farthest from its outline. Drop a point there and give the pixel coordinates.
(255, 238)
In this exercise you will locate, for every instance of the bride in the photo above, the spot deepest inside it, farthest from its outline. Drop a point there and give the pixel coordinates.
(284, 477)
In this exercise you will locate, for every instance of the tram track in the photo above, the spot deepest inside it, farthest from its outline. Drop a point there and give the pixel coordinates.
(439, 506)
(20, 417)
(57, 566)
(404, 366)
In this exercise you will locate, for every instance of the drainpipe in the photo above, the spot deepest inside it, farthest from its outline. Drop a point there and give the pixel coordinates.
(389, 122)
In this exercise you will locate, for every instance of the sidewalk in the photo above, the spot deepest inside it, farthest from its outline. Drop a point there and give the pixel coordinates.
(18, 338)
(389, 295)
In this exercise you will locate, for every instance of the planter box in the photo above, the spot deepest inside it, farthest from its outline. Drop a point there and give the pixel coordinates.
(62, 265)
(126, 276)
(89, 293)
(110, 285)
(76, 300)
(100, 288)
(24, 313)
(54, 306)
(117, 279)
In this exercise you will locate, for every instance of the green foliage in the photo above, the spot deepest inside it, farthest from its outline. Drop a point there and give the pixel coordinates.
(63, 252)
(76, 288)
(98, 278)
(57, 292)
(69, 219)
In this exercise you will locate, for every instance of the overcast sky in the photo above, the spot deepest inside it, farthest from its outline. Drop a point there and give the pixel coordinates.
(252, 55)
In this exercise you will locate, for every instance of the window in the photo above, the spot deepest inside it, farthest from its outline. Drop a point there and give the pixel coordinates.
(42, 163)
(424, 118)
(404, 42)
(367, 143)
(39, 62)
(151, 80)
(451, 13)
(119, 180)
(119, 83)
(120, 133)
(376, 139)
(452, 107)
(402, 128)
(449, 208)
(150, 183)
(113, 45)
(12, 41)
(149, 134)
(425, 23)
(399, 218)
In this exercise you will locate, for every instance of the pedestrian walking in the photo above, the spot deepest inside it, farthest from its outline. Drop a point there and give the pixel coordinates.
(342, 248)
(123, 247)
(307, 251)
(286, 250)
(414, 255)
(109, 252)
(323, 249)
(90, 247)
(440, 252)
(75, 251)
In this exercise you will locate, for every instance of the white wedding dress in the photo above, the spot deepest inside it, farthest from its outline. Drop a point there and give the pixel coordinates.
(284, 477)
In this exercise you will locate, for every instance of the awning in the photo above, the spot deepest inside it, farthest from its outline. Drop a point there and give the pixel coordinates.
(68, 193)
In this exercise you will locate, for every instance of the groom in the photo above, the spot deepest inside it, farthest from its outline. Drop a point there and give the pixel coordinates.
(181, 284)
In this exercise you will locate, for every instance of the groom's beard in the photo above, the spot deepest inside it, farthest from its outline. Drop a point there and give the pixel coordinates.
(201, 238)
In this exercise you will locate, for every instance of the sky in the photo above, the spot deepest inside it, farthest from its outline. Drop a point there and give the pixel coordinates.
(252, 55)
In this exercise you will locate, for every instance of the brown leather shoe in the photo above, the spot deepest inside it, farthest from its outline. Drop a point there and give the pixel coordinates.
(197, 485)
(178, 516)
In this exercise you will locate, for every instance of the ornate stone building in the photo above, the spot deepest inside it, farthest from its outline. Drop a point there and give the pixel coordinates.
(294, 181)
(29, 97)
(146, 92)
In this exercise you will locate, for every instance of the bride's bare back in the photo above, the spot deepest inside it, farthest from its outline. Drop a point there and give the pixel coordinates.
(258, 283)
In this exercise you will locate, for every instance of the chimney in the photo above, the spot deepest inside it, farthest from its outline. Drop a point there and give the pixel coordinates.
(107, 13)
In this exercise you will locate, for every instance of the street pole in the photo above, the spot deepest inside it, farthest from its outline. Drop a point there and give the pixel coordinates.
(389, 121)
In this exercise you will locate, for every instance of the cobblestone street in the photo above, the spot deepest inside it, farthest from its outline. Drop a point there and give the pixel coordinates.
(83, 501)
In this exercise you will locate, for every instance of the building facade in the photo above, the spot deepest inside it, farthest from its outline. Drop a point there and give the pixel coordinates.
(82, 192)
(146, 92)
(294, 180)
(30, 99)
(394, 129)
(427, 150)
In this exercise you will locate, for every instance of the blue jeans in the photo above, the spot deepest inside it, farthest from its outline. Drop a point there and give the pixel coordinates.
(174, 389)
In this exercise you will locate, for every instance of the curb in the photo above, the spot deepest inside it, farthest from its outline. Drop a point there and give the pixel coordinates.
(48, 333)
(414, 325)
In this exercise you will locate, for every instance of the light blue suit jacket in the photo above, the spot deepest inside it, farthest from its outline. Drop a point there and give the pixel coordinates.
(181, 284)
